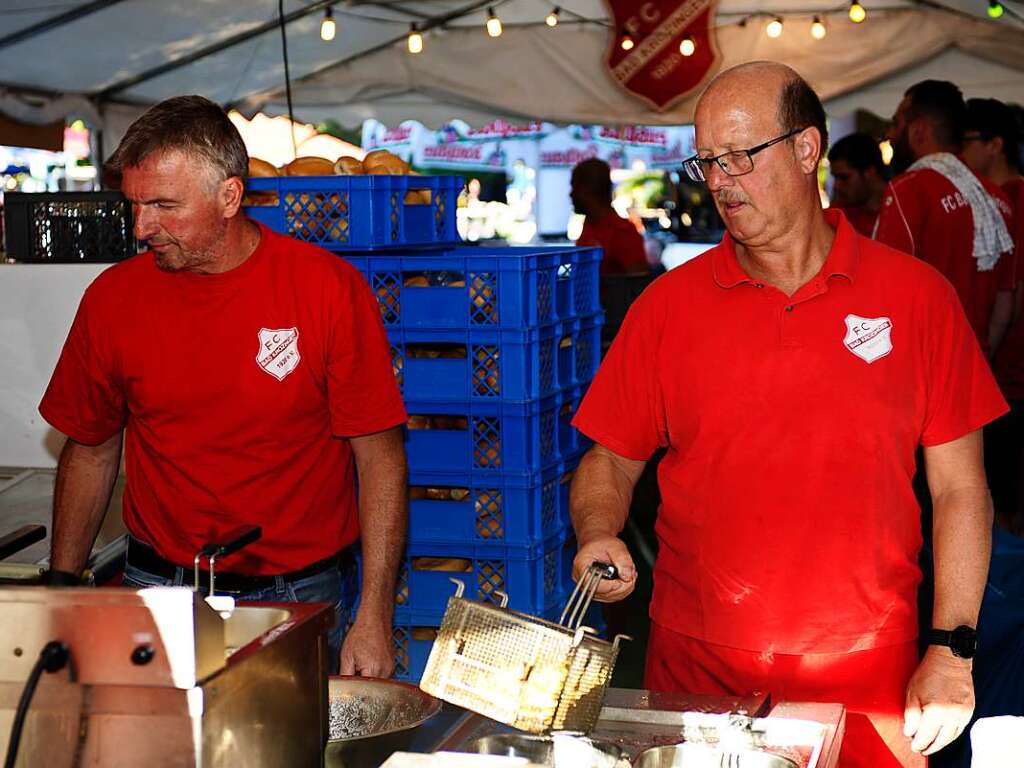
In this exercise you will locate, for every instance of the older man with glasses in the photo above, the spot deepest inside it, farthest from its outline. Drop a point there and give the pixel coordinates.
(790, 373)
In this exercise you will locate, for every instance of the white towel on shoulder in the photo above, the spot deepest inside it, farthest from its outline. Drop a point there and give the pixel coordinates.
(991, 238)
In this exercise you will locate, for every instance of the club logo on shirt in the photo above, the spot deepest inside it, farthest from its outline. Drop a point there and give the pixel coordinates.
(869, 338)
(279, 351)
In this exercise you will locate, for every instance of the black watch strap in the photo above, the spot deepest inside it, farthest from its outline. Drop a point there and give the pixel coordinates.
(962, 641)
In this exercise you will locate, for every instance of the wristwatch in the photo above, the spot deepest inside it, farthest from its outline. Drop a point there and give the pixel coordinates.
(963, 640)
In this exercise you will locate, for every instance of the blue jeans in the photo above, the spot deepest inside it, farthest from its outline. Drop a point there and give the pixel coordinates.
(337, 586)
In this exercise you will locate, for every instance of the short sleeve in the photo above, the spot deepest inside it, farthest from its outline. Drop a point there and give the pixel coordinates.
(623, 409)
(84, 399)
(962, 391)
(898, 220)
(361, 387)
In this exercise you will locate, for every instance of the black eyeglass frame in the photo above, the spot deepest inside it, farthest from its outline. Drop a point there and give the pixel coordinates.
(697, 163)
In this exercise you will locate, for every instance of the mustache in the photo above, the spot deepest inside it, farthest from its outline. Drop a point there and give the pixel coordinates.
(725, 197)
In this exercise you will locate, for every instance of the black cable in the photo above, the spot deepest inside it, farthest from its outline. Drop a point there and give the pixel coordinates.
(287, 76)
(52, 658)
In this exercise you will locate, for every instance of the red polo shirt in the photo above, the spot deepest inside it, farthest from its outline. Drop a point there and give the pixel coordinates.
(623, 246)
(924, 214)
(862, 219)
(1010, 358)
(788, 520)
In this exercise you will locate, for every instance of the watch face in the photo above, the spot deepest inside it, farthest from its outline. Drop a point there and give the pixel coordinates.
(964, 642)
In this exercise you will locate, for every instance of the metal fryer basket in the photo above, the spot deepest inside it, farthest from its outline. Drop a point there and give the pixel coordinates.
(532, 674)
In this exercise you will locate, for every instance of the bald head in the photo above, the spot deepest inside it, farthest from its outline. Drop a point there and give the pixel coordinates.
(770, 94)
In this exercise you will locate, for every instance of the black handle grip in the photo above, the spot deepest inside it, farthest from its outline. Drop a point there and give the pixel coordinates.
(608, 571)
(237, 539)
(20, 539)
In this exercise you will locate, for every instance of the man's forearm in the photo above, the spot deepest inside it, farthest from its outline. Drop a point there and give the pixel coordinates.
(383, 519)
(601, 493)
(962, 541)
(85, 479)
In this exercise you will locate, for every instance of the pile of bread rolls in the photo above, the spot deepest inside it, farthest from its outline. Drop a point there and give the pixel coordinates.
(380, 162)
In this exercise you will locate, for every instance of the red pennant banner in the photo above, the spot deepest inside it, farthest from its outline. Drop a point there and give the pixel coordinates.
(654, 68)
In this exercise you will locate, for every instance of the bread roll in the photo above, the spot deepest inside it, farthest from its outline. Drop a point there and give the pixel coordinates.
(261, 169)
(348, 166)
(308, 166)
(417, 281)
(381, 162)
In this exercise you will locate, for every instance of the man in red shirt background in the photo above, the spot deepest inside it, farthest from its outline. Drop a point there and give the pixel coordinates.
(858, 180)
(250, 377)
(791, 372)
(591, 194)
(992, 150)
(938, 210)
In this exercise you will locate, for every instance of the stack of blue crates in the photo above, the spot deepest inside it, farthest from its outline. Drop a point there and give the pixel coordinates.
(493, 349)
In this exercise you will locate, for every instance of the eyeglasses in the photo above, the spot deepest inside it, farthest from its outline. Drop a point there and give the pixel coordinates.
(736, 163)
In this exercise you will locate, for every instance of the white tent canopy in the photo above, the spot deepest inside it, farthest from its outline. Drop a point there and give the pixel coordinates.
(104, 60)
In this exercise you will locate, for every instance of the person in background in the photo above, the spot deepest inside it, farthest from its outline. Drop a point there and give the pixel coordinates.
(790, 373)
(940, 211)
(623, 245)
(992, 143)
(250, 377)
(858, 180)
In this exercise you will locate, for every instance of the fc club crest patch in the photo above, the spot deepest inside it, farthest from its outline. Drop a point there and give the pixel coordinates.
(869, 338)
(278, 354)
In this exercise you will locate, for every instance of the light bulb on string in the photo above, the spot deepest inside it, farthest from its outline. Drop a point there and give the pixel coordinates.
(493, 24)
(995, 9)
(688, 46)
(857, 12)
(552, 18)
(774, 28)
(626, 43)
(818, 30)
(415, 40)
(328, 29)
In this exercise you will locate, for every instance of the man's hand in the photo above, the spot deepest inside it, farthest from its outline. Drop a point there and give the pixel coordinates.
(940, 700)
(607, 549)
(368, 650)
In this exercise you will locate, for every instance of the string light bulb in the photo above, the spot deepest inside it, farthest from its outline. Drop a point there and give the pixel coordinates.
(857, 12)
(995, 9)
(774, 28)
(688, 46)
(493, 23)
(552, 18)
(627, 43)
(818, 30)
(415, 40)
(328, 29)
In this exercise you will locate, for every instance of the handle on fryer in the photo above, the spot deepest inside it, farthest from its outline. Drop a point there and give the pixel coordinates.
(237, 539)
(20, 539)
(579, 601)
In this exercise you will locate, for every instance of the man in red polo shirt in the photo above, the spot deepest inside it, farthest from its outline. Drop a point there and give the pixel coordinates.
(591, 194)
(942, 212)
(992, 150)
(250, 377)
(858, 180)
(790, 373)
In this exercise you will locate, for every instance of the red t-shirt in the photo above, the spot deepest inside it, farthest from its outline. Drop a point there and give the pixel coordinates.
(788, 520)
(1010, 358)
(862, 219)
(623, 246)
(235, 391)
(924, 214)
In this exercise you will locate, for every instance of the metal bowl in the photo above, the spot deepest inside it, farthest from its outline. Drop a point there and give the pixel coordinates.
(371, 718)
(560, 750)
(703, 756)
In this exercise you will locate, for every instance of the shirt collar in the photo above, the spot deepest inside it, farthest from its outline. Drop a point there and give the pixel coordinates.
(841, 260)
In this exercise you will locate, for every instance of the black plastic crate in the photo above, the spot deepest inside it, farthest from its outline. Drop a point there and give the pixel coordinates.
(68, 227)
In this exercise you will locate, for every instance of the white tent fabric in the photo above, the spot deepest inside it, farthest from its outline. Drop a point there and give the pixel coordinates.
(118, 56)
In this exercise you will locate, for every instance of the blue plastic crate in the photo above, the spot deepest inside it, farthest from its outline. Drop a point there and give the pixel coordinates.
(570, 440)
(494, 363)
(474, 287)
(481, 507)
(414, 636)
(535, 577)
(343, 213)
(497, 436)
